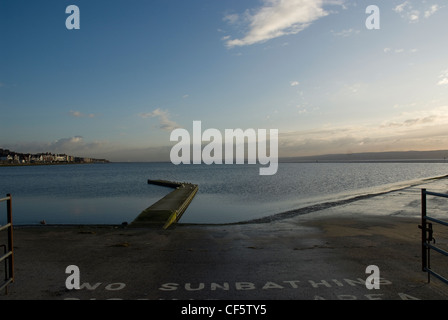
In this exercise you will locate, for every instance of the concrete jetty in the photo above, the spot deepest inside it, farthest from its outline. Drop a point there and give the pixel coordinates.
(170, 208)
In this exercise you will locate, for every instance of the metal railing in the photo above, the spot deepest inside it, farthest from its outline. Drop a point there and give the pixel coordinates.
(428, 241)
(8, 249)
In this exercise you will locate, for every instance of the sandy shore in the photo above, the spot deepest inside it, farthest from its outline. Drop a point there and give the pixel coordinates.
(321, 255)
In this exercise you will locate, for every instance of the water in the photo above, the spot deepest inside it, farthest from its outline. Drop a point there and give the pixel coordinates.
(117, 192)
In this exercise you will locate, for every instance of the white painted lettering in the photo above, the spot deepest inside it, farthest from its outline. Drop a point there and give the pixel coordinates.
(244, 286)
(405, 296)
(87, 286)
(293, 283)
(338, 283)
(169, 287)
(115, 286)
(272, 285)
(189, 288)
(374, 296)
(353, 283)
(317, 284)
(224, 286)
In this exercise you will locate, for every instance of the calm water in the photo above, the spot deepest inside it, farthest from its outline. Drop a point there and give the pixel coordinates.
(117, 192)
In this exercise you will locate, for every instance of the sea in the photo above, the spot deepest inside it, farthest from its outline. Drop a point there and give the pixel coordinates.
(114, 193)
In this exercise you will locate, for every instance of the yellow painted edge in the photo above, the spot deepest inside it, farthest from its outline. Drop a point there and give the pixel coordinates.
(171, 220)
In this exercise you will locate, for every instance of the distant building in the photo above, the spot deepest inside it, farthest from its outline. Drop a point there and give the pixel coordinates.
(60, 158)
(7, 156)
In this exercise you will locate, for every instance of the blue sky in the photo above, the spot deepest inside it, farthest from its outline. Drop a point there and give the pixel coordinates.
(136, 70)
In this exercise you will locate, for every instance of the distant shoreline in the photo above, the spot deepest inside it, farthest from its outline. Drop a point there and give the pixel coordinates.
(281, 161)
(435, 156)
(47, 164)
(366, 161)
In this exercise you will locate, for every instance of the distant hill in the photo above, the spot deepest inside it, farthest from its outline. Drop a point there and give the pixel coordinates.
(398, 156)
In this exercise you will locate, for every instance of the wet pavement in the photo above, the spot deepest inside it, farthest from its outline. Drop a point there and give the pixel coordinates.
(317, 256)
(239, 262)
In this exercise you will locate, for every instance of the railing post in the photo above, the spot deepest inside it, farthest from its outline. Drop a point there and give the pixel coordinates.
(428, 241)
(424, 249)
(10, 237)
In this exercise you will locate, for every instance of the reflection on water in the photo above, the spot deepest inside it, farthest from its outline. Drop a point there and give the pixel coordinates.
(32, 210)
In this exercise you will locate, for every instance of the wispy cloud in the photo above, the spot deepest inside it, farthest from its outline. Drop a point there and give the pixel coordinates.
(408, 11)
(421, 119)
(433, 9)
(401, 7)
(67, 143)
(77, 114)
(399, 50)
(277, 18)
(443, 78)
(418, 130)
(75, 146)
(414, 16)
(231, 18)
(345, 33)
(164, 119)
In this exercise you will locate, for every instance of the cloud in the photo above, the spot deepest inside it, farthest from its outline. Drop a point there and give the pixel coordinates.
(277, 18)
(67, 143)
(400, 8)
(442, 82)
(231, 18)
(164, 120)
(418, 130)
(407, 11)
(294, 83)
(443, 78)
(75, 146)
(78, 114)
(399, 50)
(414, 16)
(410, 122)
(345, 33)
(433, 9)
(438, 115)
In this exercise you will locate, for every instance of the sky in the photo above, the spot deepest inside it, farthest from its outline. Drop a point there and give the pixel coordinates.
(136, 70)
